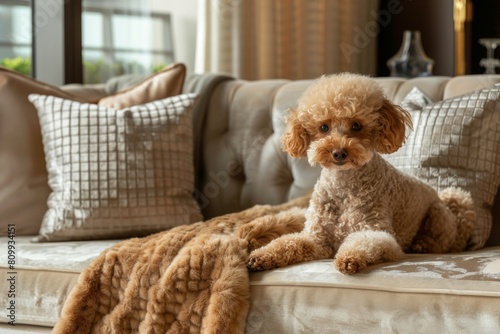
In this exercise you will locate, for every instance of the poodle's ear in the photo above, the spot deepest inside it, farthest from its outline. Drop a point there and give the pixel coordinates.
(295, 140)
(393, 122)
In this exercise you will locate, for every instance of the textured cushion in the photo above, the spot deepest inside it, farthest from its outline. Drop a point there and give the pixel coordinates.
(165, 83)
(117, 173)
(456, 142)
(23, 177)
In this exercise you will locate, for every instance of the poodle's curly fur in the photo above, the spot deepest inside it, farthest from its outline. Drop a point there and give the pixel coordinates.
(362, 210)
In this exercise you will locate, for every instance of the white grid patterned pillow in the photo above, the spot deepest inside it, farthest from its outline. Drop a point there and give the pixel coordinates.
(456, 142)
(117, 173)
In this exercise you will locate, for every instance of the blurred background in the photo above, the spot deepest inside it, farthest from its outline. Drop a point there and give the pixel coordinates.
(90, 41)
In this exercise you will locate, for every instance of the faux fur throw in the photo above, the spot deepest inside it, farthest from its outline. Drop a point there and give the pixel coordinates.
(190, 279)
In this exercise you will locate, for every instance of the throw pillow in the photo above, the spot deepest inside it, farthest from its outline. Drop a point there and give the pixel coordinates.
(117, 173)
(456, 142)
(23, 177)
(165, 83)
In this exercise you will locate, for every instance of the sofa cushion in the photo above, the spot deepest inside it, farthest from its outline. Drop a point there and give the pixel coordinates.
(23, 177)
(117, 173)
(456, 142)
(44, 275)
(419, 290)
(431, 293)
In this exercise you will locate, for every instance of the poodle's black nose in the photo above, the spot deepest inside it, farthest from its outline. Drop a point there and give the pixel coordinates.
(340, 154)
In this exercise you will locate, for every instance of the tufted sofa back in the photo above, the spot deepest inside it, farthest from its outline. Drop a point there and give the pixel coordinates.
(241, 162)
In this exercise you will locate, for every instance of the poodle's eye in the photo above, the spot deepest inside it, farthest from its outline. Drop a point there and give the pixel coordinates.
(324, 128)
(356, 126)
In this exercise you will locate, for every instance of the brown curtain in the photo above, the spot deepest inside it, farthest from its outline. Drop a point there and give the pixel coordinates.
(293, 39)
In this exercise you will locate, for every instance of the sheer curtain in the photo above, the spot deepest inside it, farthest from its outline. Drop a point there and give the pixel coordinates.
(293, 39)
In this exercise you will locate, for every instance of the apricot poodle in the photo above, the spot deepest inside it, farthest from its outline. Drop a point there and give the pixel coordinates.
(362, 210)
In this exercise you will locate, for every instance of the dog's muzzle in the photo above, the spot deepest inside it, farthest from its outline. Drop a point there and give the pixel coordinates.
(340, 156)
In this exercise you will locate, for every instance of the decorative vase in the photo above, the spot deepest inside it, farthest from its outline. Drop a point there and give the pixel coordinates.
(410, 61)
(490, 63)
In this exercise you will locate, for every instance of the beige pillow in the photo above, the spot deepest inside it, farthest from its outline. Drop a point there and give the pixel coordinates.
(23, 177)
(165, 83)
(117, 173)
(456, 142)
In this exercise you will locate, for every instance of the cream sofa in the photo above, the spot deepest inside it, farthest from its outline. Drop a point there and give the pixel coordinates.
(239, 164)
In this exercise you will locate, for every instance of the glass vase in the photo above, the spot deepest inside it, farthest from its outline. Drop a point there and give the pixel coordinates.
(490, 63)
(410, 61)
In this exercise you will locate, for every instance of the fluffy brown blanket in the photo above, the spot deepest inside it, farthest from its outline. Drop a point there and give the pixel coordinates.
(190, 279)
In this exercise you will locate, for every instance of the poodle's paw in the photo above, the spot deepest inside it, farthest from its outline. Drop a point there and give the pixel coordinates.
(349, 264)
(259, 261)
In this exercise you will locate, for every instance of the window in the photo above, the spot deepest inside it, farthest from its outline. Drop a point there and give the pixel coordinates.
(15, 35)
(117, 41)
(111, 39)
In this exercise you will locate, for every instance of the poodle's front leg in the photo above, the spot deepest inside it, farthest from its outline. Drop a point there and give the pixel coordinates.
(286, 250)
(362, 248)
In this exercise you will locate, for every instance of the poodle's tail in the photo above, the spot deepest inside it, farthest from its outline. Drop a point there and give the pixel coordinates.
(461, 205)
